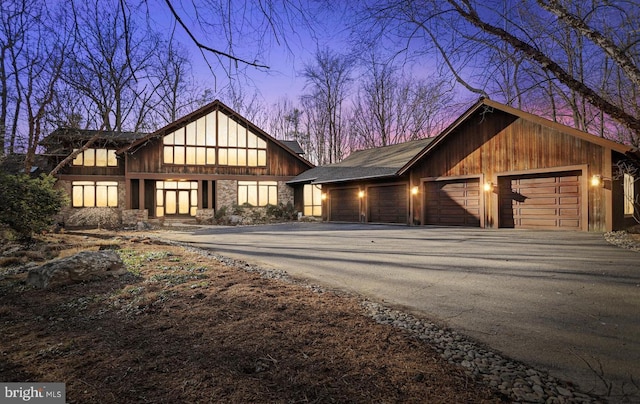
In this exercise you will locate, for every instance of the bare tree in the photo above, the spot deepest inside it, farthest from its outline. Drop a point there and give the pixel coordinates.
(327, 86)
(111, 64)
(462, 32)
(391, 108)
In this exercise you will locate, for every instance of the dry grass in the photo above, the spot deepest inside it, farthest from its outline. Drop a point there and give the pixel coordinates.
(182, 328)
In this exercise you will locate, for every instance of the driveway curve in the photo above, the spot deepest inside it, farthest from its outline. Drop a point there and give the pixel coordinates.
(566, 302)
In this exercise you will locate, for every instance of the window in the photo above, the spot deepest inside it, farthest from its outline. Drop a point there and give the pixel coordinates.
(312, 200)
(197, 143)
(89, 194)
(257, 193)
(192, 145)
(239, 146)
(96, 158)
(176, 198)
(629, 194)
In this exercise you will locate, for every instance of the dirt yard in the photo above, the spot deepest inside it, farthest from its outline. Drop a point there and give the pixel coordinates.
(180, 327)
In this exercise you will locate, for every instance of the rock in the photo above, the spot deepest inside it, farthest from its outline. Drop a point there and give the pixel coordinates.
(141, 226)
(83, 266)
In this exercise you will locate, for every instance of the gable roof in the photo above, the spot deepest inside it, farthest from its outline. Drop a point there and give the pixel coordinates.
(484, 102)
(370, 163)
(216, 105)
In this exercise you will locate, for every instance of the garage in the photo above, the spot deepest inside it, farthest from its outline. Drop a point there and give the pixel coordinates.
(388, 203)
(344, 205)
(541, 201)
(453, 202)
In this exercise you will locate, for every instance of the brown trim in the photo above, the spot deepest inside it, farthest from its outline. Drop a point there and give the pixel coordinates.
(213, 177)
(77, 177)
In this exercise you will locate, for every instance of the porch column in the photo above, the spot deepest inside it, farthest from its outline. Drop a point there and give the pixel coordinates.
(200, 195)
(127, 192)
(141, 202)
(210, 191)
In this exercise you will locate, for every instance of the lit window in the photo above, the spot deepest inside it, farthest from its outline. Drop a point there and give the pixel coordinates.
(312, 200)
(96, 158)
(629, 194)
(176, 198)
(197, 144)
(257, 193)
(89, 194)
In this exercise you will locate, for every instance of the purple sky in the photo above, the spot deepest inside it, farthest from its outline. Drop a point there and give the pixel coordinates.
(282, 79)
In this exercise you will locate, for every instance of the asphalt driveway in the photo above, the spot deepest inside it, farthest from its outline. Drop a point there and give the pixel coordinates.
(562, 301)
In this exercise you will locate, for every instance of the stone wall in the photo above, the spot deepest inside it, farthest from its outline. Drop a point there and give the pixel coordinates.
(285, 193)
(226, 194)
(133, 216)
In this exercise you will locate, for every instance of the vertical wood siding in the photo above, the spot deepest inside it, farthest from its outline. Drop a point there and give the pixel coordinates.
(497, 143)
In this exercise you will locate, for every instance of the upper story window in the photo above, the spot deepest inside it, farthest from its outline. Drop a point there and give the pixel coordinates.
(96, 158)
(198, 144)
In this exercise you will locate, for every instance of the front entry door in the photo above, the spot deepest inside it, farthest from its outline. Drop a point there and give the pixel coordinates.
(176, 198)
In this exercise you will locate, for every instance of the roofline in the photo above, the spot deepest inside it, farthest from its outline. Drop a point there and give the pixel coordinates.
(215, 105)
(366, 177)
(606, 143)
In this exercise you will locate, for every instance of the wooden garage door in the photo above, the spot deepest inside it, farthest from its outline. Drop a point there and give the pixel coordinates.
(344, 205)
(541, 201)
(388, 203)
(453, 203)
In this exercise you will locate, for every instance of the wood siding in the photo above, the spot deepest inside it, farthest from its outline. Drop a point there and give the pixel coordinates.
(149, 159)
(493, 143)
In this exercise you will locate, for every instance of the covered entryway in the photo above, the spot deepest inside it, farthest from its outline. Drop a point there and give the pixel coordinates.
(176, 198)
(453, 202)
(541, 201)
(344, 205)
(388, 203)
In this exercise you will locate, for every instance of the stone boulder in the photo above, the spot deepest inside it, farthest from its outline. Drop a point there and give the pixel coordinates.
(83, 266)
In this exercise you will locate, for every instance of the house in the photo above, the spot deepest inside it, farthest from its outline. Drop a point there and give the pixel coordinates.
(209, 160)
(493, 167)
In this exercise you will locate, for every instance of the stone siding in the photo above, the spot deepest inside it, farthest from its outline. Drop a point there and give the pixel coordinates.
(226, 194)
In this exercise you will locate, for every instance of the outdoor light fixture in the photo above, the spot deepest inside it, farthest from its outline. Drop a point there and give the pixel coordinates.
(323, 196)
(414, 191)
(488, 186)
(596, 180)
(361, 194)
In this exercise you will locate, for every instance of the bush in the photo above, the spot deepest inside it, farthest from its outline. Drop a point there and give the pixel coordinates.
(29, 205)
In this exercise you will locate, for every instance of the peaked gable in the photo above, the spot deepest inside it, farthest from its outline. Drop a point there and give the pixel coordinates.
(200, 127)
(486, 103)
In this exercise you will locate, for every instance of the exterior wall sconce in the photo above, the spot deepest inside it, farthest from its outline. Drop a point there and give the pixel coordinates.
(323, 196)
(597, 181)
(414, 191)
(488, 186)
(360, 194)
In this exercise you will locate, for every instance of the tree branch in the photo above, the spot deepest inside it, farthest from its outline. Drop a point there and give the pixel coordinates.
(618, 55)
(616, 112)
(205, 47)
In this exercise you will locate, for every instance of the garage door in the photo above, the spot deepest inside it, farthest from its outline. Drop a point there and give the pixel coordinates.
(541, 201)
(344, 205)
(453, 203)
(388, 204)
